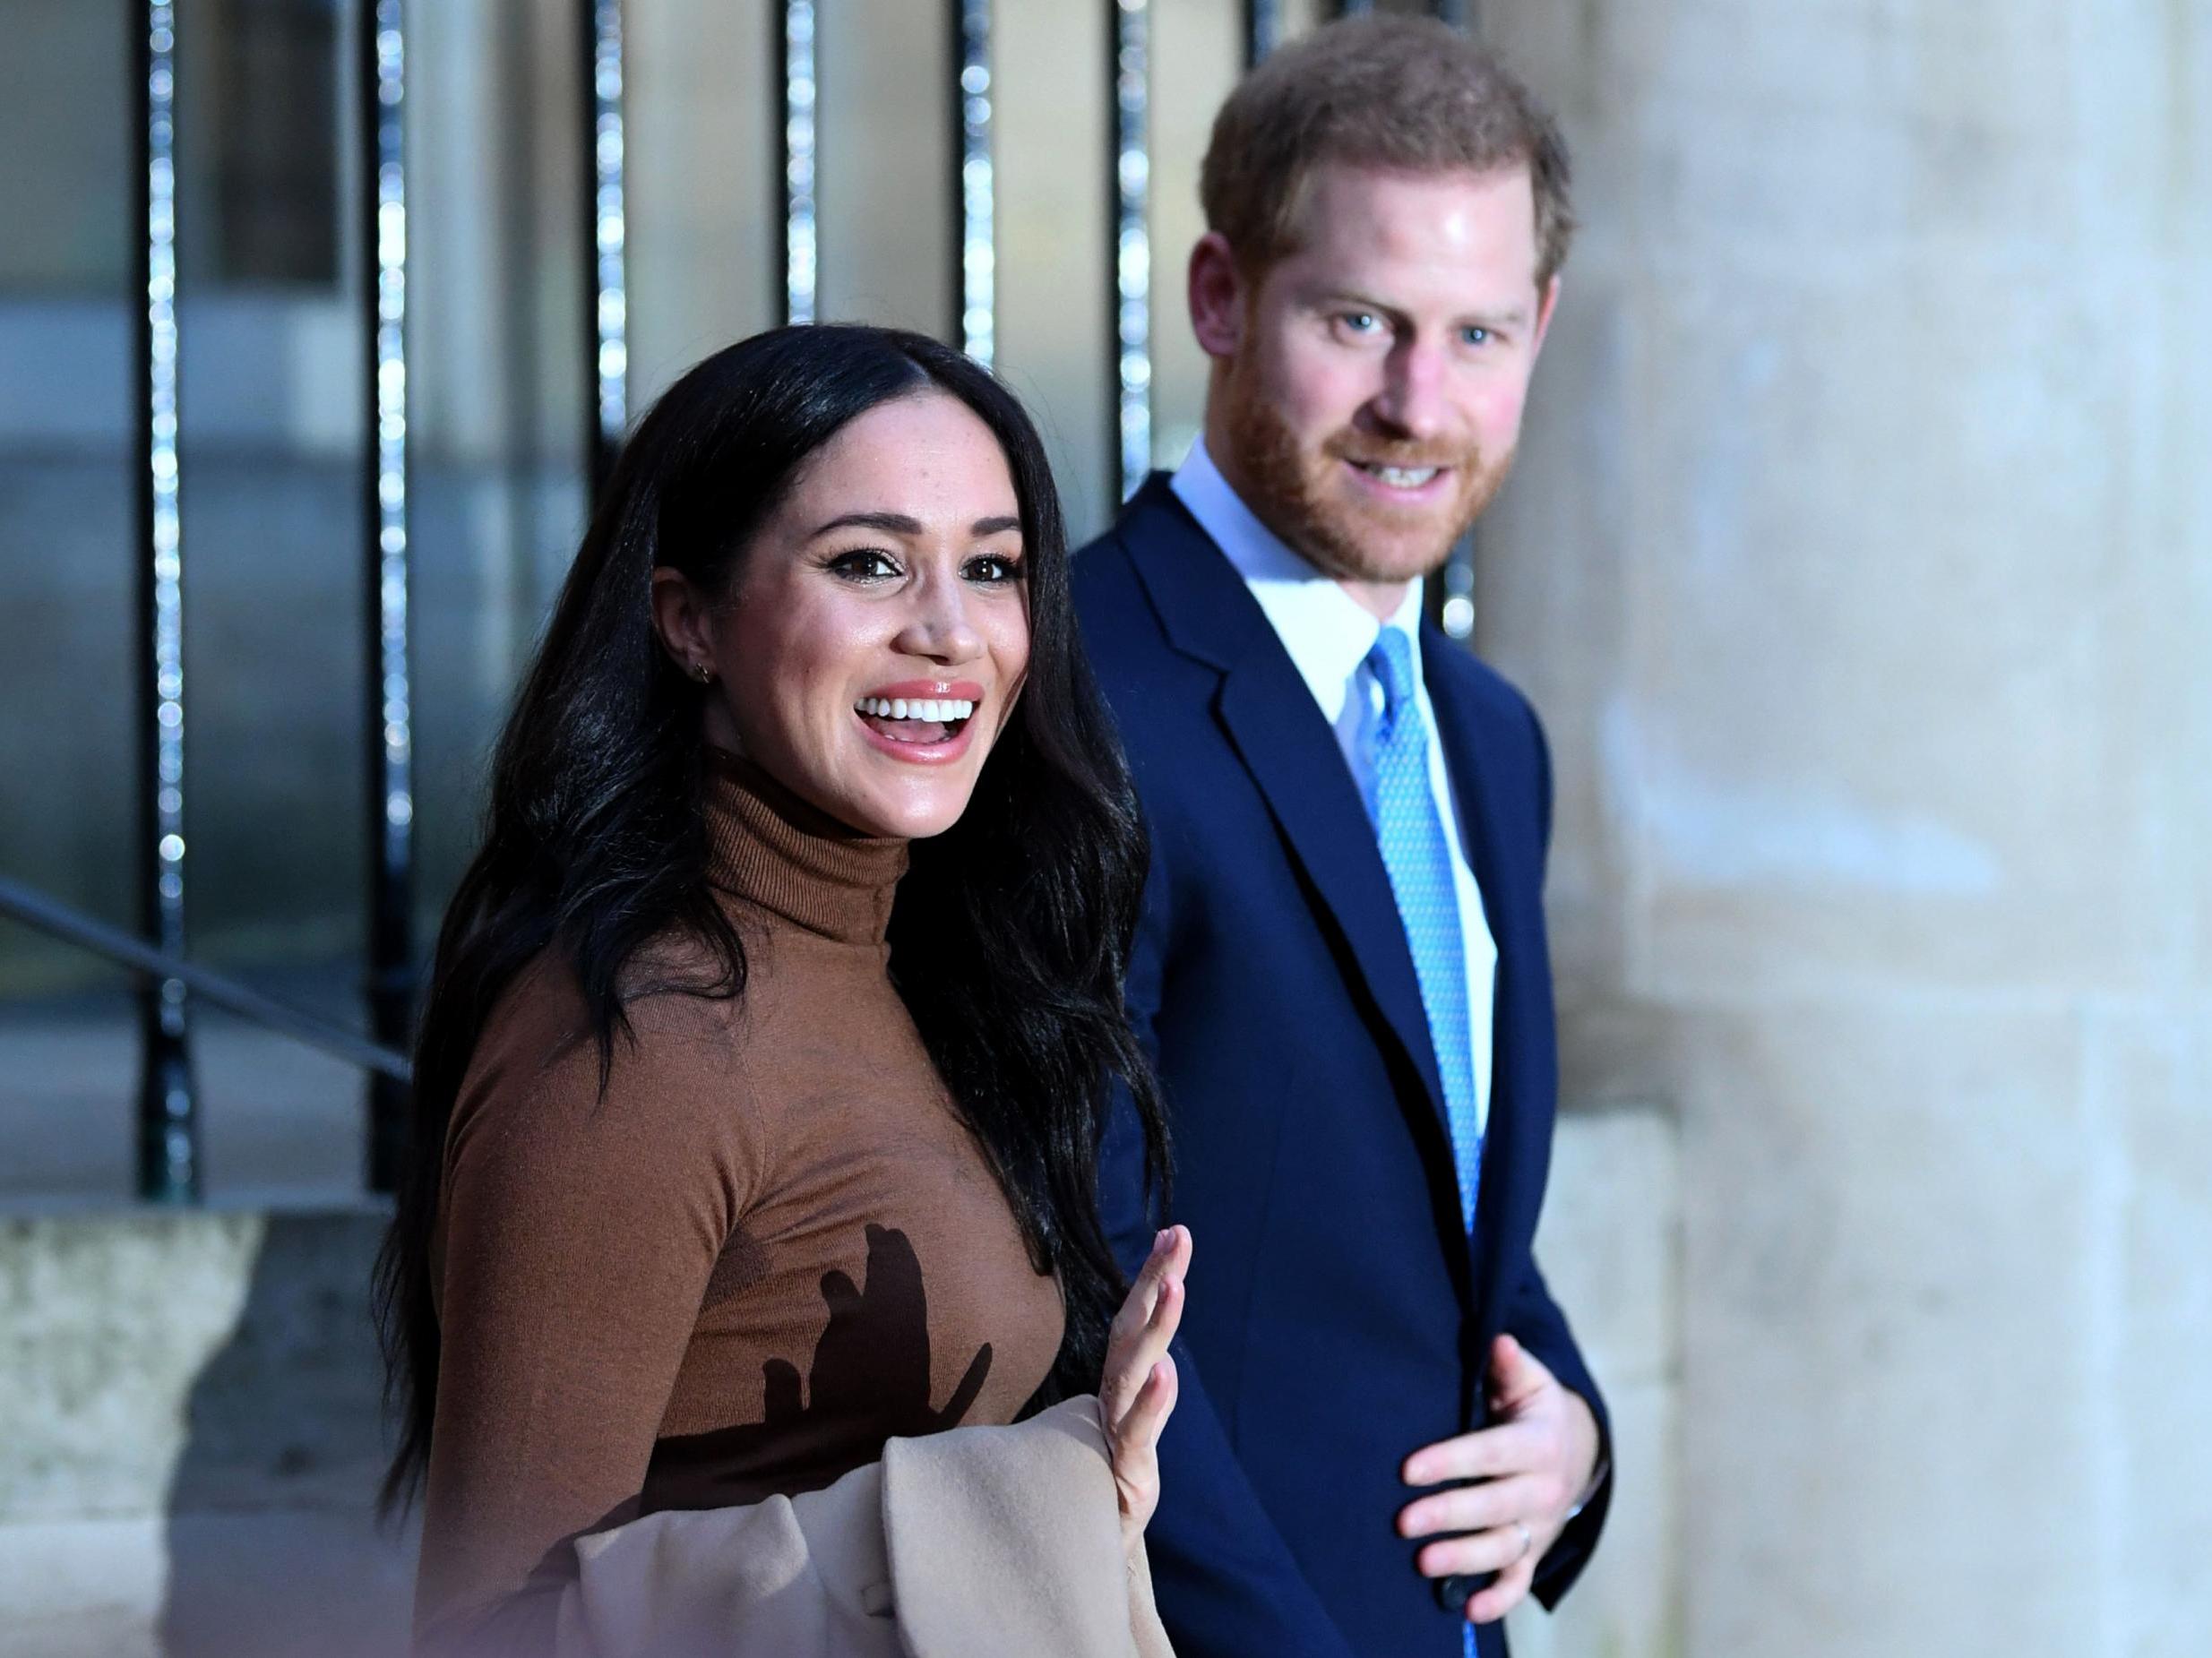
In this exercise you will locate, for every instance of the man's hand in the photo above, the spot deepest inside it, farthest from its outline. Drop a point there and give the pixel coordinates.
(1534, 1464)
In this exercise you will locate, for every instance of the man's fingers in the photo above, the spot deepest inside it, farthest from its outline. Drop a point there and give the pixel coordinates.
(1511, 1448)
(1515, 1374)
(1470, 1507)
(1509, 1591)
(1493, 1550)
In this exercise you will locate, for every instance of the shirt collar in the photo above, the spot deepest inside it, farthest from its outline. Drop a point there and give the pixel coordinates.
(1327, 632)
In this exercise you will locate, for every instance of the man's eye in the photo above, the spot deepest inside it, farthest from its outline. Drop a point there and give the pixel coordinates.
(993, 567)
(865, 564)
(1475, 336)
(1360, 322)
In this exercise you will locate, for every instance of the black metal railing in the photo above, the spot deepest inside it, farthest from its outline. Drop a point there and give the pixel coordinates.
(55, 919)
(388, 698)
(607, 315)
(974, 184)
(168, 1127)
(795, 50)
(168, 1123)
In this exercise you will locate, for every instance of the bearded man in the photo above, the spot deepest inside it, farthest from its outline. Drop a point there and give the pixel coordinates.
(1386, 1437)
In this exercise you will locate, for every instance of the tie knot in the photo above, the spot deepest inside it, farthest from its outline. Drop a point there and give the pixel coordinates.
(1392, 663)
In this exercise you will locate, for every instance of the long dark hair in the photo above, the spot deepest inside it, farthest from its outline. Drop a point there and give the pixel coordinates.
(595, 841)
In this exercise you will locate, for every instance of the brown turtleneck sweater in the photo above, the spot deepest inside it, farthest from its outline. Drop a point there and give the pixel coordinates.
(769, 1247)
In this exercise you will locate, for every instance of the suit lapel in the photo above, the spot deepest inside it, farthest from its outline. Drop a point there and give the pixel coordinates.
(1292, 756)
(1269, 714)
(1472, 771)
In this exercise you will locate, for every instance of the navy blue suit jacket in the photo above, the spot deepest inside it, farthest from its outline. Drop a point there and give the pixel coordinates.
(1339, 1317)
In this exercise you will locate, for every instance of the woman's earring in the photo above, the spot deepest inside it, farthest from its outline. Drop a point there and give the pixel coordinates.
(704, 674)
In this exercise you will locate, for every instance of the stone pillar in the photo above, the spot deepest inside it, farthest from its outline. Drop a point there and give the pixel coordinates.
(1860, 560)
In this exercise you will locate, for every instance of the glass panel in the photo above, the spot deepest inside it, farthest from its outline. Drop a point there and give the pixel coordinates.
(259, 120)
(885, 127)
(705, 202)
(1198, 55)
(1053, 277)
(68, 563)
(65, 98)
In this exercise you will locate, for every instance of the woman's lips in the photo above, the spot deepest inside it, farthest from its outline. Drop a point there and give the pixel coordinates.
(920, 721)
(934, 689)
(918, 742)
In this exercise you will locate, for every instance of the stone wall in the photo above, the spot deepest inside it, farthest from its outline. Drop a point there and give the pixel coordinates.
(1861, 562)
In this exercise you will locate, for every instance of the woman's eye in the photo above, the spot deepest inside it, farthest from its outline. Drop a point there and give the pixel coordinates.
(994, 567)
(865, 564)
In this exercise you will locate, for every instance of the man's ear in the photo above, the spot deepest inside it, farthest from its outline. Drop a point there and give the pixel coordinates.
(1217, 294)
(684, 620)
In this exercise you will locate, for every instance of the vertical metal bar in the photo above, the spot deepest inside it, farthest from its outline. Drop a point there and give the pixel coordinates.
(976, 254)
(390, 701)
(1450, 595)
(796, 44)
(1131, 49)
(168, 1123)
(607, 323)
(1263, 28)
(1451, 590)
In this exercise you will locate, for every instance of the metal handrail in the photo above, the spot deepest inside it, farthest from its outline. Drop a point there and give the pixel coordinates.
(34, 908)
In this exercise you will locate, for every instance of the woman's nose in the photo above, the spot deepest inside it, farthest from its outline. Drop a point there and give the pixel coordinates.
(939, 626)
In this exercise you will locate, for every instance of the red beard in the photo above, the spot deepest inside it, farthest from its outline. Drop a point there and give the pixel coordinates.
(1298, 492)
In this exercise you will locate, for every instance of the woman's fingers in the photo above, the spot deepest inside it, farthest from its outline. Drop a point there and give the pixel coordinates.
(1137, 1393)
(1170, 1259)
(1134, 1446)
(1147, 1320)
(1145, 1344)
(1140, 1430)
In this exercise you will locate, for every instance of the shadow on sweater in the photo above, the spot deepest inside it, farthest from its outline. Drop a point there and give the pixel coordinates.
(872, 1368)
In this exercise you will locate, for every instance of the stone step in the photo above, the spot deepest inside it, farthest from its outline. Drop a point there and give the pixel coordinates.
(189, 1436)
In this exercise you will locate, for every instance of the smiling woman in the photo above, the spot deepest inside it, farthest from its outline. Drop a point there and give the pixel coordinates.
(761, 1084)
(887, 589)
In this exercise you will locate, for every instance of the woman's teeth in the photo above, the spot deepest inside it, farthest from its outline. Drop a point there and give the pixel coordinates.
(943, 710)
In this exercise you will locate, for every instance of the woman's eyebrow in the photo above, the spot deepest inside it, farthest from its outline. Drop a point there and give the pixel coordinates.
(890, 523)
(900, 524)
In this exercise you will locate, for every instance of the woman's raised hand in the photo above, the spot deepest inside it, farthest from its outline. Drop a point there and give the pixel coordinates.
(1138, 1390)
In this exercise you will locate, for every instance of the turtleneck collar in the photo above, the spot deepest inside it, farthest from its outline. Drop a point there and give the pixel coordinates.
(769, 848)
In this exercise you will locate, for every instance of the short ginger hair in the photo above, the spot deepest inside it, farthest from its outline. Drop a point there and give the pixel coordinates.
(1404, 93)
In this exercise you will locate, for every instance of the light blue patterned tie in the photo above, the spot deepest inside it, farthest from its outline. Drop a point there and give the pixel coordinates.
(1419, 861)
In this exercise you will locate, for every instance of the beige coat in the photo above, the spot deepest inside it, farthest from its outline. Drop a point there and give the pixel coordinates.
(980, 1543)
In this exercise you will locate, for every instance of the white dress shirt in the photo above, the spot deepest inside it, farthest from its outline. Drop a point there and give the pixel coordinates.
(1328, 633)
